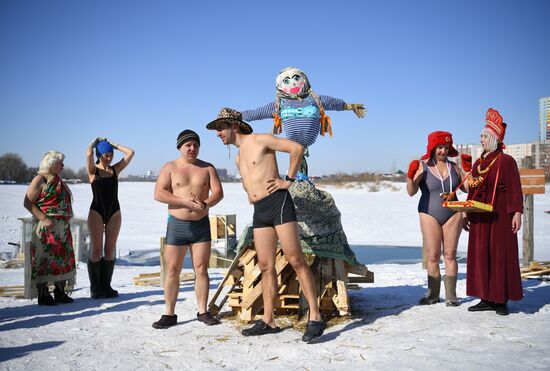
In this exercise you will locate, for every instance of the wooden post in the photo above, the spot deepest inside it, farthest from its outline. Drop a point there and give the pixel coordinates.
(162, 261)
(528, 219)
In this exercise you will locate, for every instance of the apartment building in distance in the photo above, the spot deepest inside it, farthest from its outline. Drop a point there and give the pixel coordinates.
(544, 119)
(539, 151)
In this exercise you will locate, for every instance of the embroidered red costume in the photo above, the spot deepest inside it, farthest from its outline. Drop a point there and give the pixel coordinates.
(493, 266)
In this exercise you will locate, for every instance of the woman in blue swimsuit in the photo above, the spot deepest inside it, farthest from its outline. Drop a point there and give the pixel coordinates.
(437, 177)
(104, 215)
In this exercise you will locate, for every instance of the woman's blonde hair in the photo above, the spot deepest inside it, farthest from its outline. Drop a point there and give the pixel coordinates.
(49, 159)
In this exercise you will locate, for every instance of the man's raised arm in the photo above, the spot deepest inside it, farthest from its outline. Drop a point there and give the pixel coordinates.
(294, 149)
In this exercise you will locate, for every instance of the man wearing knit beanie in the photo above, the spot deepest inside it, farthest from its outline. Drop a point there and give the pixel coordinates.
(190, 187)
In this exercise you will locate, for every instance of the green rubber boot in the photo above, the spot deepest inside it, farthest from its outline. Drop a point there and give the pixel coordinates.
(450, 291)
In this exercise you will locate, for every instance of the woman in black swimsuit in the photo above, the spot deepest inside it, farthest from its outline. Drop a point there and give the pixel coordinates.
(104, 215)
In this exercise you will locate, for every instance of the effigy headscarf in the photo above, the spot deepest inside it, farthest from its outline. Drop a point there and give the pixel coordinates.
(289, 76)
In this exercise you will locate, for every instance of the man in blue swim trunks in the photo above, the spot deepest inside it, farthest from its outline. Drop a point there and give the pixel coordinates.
(274, 214)
(190, 187)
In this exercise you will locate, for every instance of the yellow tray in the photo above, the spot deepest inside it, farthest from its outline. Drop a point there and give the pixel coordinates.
(468, 206)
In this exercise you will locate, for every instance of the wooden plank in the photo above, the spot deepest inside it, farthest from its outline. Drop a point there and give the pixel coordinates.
(151, 279)
(212, 307)
(256, 292)
(247, 256)
(359, 279)
(147, 275)
(359, 269)
(543, 272)
(16, 291)
(162, 261)
(341, 299)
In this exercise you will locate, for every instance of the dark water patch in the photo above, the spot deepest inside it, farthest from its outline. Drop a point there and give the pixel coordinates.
(381, 254)
(389, 254)
(365, 254)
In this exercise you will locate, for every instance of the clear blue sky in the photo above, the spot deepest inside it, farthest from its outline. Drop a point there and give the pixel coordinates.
(139, 72)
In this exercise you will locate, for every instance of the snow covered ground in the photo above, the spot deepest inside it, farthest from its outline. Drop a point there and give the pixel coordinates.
(388, 330)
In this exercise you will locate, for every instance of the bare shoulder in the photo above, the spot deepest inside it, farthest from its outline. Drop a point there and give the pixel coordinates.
(267, 140)
(37, 184)
(38, 181)
(167, 168)
(169, 165)
(203, 164)
(264, 137)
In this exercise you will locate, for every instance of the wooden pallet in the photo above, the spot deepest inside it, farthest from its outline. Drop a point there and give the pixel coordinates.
(536, 269)
(13, 263)
(16, 291)
(153, 279)
(242, 285)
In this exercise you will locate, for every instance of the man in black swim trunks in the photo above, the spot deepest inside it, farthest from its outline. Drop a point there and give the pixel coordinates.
(190, 187)
(274, 215)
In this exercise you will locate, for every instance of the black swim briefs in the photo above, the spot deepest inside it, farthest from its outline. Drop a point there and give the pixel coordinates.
(275, 209)
(184, 232)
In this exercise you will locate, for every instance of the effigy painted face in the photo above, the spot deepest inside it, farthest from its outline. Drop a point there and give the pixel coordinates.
(293, 83)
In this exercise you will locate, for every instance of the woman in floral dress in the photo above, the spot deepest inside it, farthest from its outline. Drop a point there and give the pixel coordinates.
(49, 200)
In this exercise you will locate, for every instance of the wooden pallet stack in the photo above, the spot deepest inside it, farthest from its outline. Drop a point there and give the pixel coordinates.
(153, 279)
(242, 285)
(16, 291)
(536, 270)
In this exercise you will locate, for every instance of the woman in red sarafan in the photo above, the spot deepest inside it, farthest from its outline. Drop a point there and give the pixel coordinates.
(493, 272)
(49, 200)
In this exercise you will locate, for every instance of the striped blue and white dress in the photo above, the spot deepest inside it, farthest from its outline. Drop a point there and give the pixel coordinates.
(301, 118)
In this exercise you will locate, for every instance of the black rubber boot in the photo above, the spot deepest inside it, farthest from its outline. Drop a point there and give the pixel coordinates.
(107, 268)
(94, 272)
(434, 286)
(44, 297)
(59, 292)
(450, 291)
(502, 309)
(482, 306)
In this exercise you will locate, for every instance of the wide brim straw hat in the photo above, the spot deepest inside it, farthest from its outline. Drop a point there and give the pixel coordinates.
(230, 116)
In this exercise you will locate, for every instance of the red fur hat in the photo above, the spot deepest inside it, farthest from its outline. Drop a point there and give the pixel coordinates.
(438, 138)
(493, 122)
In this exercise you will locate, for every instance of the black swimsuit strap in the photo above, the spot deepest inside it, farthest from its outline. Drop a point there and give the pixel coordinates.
(99, 175)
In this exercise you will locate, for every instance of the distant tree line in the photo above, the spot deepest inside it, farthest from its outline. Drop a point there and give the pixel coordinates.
(14, 169)
(366, 177)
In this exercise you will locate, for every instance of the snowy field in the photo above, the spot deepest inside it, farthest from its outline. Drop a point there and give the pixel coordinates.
(388, 330)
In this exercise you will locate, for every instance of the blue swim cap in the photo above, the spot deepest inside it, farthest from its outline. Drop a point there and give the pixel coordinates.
(102, 148)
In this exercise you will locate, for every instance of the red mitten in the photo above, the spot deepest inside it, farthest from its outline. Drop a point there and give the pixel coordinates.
(466, 162)
(413, 168)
